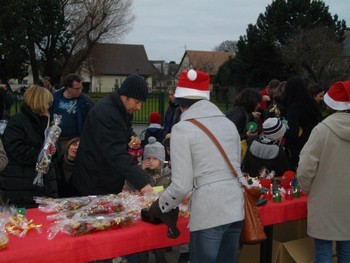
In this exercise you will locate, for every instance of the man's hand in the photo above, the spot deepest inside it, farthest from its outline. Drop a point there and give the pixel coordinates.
(146, 189)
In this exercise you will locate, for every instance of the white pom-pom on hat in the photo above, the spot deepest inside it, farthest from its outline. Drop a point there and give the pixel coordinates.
(193, 84)
(192, 75)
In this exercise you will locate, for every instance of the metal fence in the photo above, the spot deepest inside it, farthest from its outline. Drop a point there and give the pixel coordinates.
(155, 103)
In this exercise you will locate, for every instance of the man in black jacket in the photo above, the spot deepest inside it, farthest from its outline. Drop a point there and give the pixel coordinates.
(102, 162)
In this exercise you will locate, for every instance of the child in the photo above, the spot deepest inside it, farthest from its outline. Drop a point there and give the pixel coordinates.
(266, 151)
(153, 163)
(160, 175)
(65, 168)
(154, 129)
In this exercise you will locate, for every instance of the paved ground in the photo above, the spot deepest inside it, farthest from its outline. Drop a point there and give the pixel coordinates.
(139, 128)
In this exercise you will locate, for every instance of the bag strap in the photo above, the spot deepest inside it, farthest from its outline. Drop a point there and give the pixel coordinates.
(217, 144)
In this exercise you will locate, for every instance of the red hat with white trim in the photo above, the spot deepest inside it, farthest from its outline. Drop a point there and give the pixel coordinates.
(193, 85)
(338, 96)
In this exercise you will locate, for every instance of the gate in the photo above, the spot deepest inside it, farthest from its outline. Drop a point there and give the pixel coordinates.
(155, 103)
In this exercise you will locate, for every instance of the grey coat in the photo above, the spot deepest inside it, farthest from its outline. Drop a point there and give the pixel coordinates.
(197, 164)
(323, 173)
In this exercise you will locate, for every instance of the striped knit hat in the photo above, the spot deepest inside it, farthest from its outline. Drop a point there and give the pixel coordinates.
(273, 129)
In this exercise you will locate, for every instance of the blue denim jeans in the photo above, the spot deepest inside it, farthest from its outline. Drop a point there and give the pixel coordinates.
(217, 244)
(323, 251)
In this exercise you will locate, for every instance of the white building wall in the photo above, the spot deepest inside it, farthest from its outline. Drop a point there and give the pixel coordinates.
(108, 83)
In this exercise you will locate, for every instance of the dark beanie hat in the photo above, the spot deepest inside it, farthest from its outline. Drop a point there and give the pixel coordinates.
(134, 86)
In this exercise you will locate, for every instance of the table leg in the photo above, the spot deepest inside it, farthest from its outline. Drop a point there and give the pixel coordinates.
(266, 246)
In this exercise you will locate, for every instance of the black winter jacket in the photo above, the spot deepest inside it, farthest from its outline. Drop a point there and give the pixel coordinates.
(265, 154)
(103, 163)
(23, 139)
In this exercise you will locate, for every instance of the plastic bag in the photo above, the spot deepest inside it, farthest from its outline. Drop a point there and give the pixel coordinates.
(44, 159)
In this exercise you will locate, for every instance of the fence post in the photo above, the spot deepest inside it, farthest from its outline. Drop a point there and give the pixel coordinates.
(161, 104)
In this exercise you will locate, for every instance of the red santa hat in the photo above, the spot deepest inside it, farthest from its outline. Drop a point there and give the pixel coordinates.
(338, 96)
(193, 85)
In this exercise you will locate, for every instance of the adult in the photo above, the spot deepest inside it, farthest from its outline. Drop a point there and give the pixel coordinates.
(47, 84)
(8, 101)
(302, 115)
(245, 109)
(317, 93)
(65, 168)
(23, 139)
(3, 158)
(268, 94)
(103, 163)
(323, 173)
(169, 114)
(276, 109)
(73, 106)
(197, 165)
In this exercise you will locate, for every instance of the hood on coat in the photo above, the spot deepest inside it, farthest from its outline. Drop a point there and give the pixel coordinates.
(201, 109)
(339, 123)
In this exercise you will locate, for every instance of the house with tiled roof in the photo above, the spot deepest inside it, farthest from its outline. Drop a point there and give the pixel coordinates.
(163, 76)
(206, 61)
(110, 64)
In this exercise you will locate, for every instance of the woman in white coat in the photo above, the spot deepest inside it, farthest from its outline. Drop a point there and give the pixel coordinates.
(217, 201)
(323, 173)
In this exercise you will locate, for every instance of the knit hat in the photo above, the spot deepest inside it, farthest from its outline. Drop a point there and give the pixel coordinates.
(154, 149)
(273, 129)
(155, 117)
(338, 96)
(134, 86)
(193, 85)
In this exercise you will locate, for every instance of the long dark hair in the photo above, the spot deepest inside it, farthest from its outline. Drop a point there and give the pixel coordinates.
(296, 92)
(248, 99)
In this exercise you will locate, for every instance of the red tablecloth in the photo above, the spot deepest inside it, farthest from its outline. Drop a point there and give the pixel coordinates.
(288, 210)
(132, 239)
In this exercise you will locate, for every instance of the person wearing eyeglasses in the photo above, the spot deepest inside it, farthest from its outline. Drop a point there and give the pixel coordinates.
(73, 106)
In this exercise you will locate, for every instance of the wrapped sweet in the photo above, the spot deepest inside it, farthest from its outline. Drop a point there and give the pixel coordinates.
(82, 225)
(4, 215)
(53, 205)
(19, 225)
(83, 215)
(45, 155)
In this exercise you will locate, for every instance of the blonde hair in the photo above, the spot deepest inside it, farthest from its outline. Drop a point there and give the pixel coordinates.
(38, 99)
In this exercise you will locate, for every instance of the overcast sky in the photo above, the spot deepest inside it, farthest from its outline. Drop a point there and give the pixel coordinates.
(166, 28)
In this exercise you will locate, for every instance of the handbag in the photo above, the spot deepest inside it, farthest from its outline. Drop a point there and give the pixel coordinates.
(253, 230)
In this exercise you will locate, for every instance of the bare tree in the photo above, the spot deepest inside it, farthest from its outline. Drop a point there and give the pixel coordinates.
(314, 53)
(227, 45)
(92, 21)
